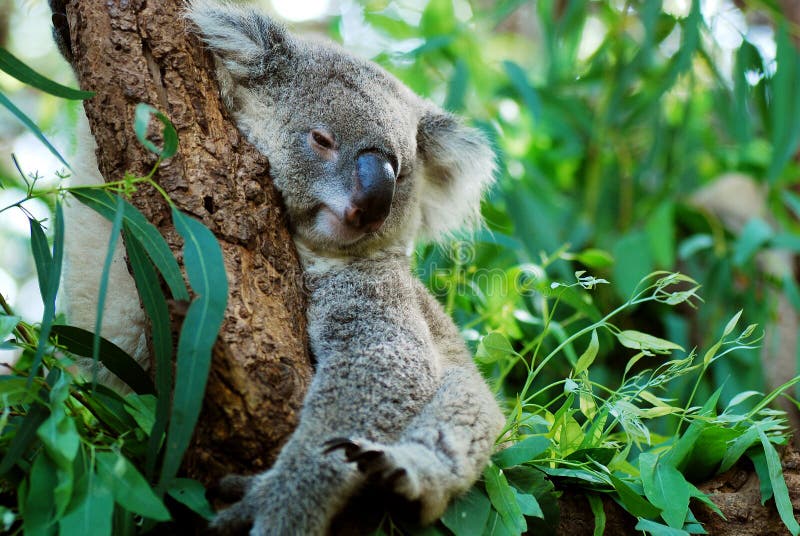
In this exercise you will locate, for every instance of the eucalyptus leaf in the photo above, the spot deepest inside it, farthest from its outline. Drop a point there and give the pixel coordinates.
(504, 499)
(19, 70)
(521, 452)
(130, 489)
(468, 514)
(206, 271)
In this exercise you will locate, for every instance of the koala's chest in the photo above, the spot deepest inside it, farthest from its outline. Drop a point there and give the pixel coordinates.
(374, 327)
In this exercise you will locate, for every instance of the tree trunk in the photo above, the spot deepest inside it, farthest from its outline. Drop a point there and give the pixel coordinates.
(139, 51)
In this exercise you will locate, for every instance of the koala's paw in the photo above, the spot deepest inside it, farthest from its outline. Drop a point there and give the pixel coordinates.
(238, 518)
(382, 463)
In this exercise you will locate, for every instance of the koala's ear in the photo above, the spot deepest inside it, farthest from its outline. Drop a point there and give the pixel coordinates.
(458, 167)
(250, 45)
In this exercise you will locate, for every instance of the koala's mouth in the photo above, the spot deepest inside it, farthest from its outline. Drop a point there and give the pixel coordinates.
(340, 229)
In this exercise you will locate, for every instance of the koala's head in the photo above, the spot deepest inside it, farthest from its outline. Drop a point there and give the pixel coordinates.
(362, 162)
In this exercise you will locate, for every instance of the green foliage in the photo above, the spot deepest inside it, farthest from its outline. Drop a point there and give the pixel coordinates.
(580, 433)
(74, 450)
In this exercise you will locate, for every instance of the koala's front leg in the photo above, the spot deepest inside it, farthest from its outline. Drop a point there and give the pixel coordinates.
(442, 451)
(298, 495)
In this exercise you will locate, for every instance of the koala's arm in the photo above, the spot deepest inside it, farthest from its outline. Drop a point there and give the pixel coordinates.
(86, 240)
(444, 449)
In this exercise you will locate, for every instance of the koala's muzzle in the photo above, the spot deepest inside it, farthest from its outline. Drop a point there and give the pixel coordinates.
(371, 198)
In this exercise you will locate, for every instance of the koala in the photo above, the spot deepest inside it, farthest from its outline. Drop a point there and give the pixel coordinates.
(365, 168)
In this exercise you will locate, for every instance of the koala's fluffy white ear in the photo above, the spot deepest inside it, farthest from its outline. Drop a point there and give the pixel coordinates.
(249, 44)
(458, 167)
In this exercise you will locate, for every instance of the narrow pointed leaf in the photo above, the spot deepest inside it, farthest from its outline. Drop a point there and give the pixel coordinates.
(206, 271)
(155, 305)
(116, 227)
(19, 70)
(468, 514)
(779, 489)
(524, 451)
(91, 515)
(192, 494)
(30, 125)
(104, 203)
(503, 499)
(51, 280)
(80, 342)
(130, 489)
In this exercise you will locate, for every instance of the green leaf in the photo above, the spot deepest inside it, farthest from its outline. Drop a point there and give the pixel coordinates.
(60, 438)
(660, 231)
(779, 489)
(467, 515)
(521, 452)
(731, 325)
(785, 103)
(587, 358)
(634, 503)
(494, 347)
(30, 125)
(104, 203)
(528, 504)
(657, 529)
(495, 526)
(155, 304)
(143, 409)
(14, 390)
(49, 279)
(504, 499)
(637, 340)
(39, 503)
(90, 514)
(130, 489)
(596, 504)
(16, 68)
(632, 261)
(7, 325)
(595, 258)
(755, 234)
(116, 227)
(681, 449)
(738, 447)
(192, 494)
(792, 201)
(457, 88)
(42, 258)
(521, 84)
(26, 433)
(206, 272)
(141, 121)
(79, 342)
(666, 488)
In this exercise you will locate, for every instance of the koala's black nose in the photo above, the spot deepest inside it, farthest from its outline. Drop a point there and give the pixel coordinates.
(371, 199)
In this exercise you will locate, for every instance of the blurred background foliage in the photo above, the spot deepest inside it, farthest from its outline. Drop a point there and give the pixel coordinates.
(631, 137)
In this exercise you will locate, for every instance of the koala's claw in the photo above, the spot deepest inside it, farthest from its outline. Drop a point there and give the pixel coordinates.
(347, 445)
(374, 462)
(368, 460)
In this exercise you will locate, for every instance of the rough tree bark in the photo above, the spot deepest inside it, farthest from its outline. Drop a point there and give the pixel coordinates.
(132, 51)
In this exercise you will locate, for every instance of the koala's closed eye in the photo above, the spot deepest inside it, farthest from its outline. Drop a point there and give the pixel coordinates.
(323, 143)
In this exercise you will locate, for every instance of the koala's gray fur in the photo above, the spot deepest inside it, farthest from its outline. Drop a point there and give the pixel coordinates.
(396, 397)
(396, 400)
